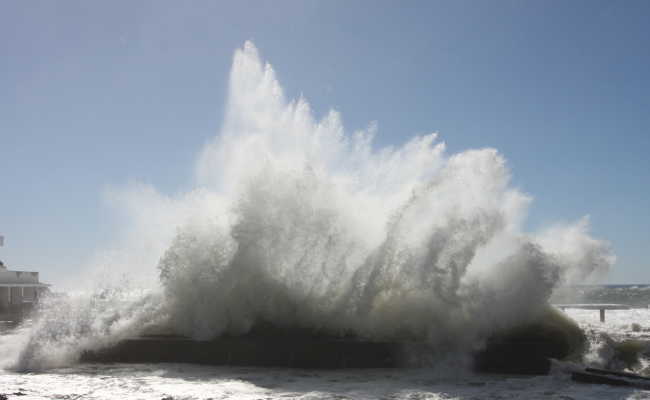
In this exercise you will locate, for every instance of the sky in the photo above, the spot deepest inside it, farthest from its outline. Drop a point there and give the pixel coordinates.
(95, 95)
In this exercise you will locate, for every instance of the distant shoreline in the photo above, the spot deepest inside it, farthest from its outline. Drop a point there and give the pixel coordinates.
(609, 285)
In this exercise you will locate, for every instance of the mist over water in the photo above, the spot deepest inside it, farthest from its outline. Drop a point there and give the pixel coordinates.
(298, 223)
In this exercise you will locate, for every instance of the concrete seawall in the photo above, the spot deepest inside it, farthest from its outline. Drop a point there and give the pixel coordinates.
(253, 350)
(524, 350)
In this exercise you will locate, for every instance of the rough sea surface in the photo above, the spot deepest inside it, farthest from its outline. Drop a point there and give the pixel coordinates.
(183, 381)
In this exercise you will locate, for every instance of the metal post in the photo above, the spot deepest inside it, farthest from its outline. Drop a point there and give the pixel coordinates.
(602, 315)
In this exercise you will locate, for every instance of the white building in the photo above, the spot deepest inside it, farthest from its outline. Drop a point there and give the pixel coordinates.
(19, 290)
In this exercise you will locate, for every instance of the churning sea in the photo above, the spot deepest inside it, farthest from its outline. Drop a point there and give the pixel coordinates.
(444, 381)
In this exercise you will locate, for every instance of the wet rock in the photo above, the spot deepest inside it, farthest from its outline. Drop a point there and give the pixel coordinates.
(614, 378)
(291, 348)
(522, 350)
(629, 352)
(528, 349)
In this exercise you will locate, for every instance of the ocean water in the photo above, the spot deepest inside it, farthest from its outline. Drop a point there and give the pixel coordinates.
(444, 381)
(633, 295)
(184, 381)
(294, 221)
(174, 381)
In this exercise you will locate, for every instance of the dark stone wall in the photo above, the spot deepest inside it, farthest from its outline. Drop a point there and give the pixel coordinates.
(292, 352)
(523, 350)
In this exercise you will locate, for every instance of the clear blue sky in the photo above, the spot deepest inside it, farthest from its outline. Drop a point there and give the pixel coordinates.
(104, 93)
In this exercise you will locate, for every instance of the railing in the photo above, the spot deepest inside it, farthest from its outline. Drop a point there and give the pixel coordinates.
(599, 307)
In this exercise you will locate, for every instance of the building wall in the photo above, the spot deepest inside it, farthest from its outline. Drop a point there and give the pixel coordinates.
(20, 298)
(4, 298)
(7, 276)
(16, 295)
(29, 293)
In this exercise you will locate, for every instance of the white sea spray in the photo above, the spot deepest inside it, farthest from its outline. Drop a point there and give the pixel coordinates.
(294, 222)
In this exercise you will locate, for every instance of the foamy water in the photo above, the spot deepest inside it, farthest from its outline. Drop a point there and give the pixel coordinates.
(178, 381)
(618, 323)
(183, 381)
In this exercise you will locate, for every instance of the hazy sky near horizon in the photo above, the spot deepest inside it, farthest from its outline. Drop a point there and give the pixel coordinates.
(96, 95)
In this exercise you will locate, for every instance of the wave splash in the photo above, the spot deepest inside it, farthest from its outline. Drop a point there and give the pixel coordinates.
(296, 223)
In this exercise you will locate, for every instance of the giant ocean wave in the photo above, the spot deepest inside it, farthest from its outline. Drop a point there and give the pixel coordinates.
(297, 223)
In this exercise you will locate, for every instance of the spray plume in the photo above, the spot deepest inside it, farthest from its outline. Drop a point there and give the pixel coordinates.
(293, 222)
